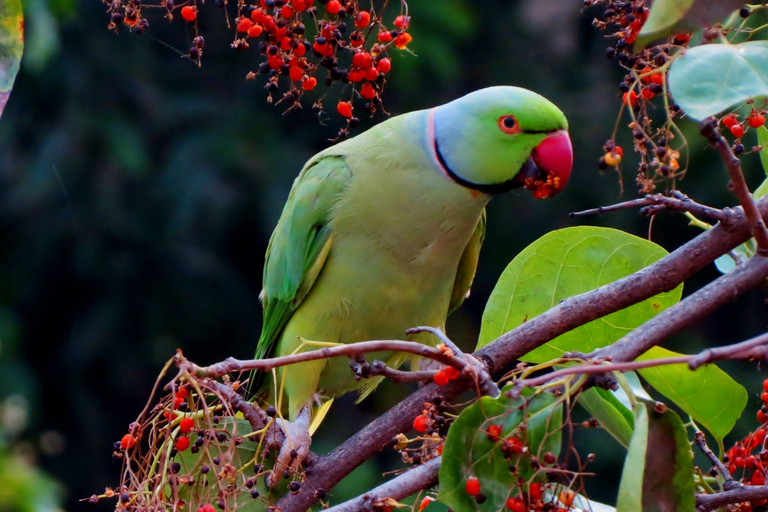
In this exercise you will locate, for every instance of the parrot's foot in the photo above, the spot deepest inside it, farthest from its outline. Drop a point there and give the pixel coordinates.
(294, 448)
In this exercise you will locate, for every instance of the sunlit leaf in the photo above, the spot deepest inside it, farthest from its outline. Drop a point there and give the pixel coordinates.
(708, 79)
(708, 394)
(669, 17)
(469, 451)
(658, 470)
(564, 263)
(612, 415)
(11, 46)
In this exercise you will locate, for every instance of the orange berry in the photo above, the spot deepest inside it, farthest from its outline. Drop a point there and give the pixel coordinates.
(333, 7)
(244, 24)
(257, 16)
(384, 36)
(402, 40)
(189, 13)
(182, 443)
(647, 94)
(127, 442)
(516, 505)
(275, 62)
(452, 372)
(472, 486)
(363, 19)
(371, 74)
(756, 121)
(629, 98)
(761, 417)
(737, 130)
(299, 5)
(300, 50)
(295, 73)
(286, 11)
(186, 424)
(645, 70)
(566, 497)
(402, 22)
(493, 432)
(657, 78)
(420, 422)
(384, 66)
(177, 401)
(356, 75)
(182, 392)
(362, 60)
(441, 379)
(729, 121)
(765, 385)
(534, 491)
(757, 478)
(309, 83)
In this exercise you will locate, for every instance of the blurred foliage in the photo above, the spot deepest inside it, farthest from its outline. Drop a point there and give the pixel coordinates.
(138, 192)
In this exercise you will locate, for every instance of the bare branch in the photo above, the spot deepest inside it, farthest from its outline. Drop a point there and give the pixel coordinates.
(705, 502)
(728, 482)
(755, 348)
(408, 483)
(709, 129)
(654, 203)
(661, 276)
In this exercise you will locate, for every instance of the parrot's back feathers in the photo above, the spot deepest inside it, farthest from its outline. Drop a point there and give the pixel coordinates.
(465, 274)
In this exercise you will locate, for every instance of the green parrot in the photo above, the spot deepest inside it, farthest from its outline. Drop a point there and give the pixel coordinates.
(382, 232)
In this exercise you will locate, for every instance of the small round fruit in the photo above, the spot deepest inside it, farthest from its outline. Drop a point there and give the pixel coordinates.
(189, 13)
(756, 121)
(420, 424)
(309, 83)
(127, 442)
(737, 130)
(182, 443)
(472, 486)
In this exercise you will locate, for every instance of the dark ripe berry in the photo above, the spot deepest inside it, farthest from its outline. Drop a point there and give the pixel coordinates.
(256, 468)
(631, 61)
(328, 81)
(294, 454)
(602, 164)
(342, 13)
(549, 458)
(116, 446)
(217, 460)
(222, 437)
(661, 151)
(296, 108)
(320, 493)
(623, 58)
(175, 467)
(623, 87)
(744, 12)
(200, 440)
(630, 18)
(254, 494)
(610, 52)
(738, 149)
(269, 3)
(621, 43)
(416, 458)
(125, 497)
(342, 27)
(222, 504)
(655, 88)
(174, 452)
(117, 17)
(294, 486)
(194, 449)
(264, 68)
(480, 498)
(353, 122)
(250, 483)
(216, 419)
(205, 468)
(194, 53)
(299, 29)
(93, 500)
(660, 59)
(512, 468)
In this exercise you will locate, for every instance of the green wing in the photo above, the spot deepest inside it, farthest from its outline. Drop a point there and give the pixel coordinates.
(299, 245)
(465, 274)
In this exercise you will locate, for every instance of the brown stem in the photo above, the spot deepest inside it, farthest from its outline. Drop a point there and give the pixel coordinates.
(728, 482)
(754, 348)
(661, 276)
(654, 203)
(408, 483)
(705, 502)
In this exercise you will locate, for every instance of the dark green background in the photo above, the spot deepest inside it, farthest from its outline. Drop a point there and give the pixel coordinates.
(138, 192)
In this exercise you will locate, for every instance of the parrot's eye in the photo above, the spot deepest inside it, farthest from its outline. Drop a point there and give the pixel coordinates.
(508, 124)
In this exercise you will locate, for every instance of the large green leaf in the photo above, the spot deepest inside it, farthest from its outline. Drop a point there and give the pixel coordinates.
(708, 394)
(565, 263)
(469, 451)
(658, 470)
(708, 79)
(762, 140)
(612, 415)
(11, 46)
(669, 17)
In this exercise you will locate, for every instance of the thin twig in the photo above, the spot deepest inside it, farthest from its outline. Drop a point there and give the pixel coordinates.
(705, 502)
(754, 348)
(654, 203)
(380, 368)
(406, 484)
(728, 482)
(709, 129)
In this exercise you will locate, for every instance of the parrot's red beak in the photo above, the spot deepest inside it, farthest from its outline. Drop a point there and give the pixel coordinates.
(552, 161)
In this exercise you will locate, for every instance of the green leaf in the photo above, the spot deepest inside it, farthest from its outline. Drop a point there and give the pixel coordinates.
(708, 79)
(469, 451)
(726, 263)
(11, 46)
(658, 470)
(669, 17)
(708, 394)
(612, 415)
(762, 140)
(565, 263)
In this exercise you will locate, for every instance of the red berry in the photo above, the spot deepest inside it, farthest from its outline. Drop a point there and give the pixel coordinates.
(441, 379)
(257, 16)
(472, 486)
(189, 13)
(534, 491)
(186, 424)
(275, 62)
(646, 71)
(182, 393)
(286, 11)
(362, 60)
(516, 505)
(384, 66)
(657, 78)
(356, 75)
(629, 98)
(402, 22)
(425, 502)
(759, 435)
(300, 50)
(384, 36)
(371, 74)
(737, 130)
(127, 442)
(177, 402)
(402, 40)
(300, 5)
(764, 397)
(647, 94)
(420, 424)
(206, 508)
(452, 372)
(309, 83)
(296, 73)
(493, 432)
(363, 19)
(765, 385)
(757, 478)
(729, 121)
(761, 417)
(333, 7)
(244, 24)
(756, 121)
(514, 444)
(182, 443)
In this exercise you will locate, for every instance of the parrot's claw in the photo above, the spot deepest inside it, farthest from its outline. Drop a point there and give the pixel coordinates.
(294, 449)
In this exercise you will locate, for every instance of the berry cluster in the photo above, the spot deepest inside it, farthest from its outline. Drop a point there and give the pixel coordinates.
(296, 41)
(533, 499)
(432, 425)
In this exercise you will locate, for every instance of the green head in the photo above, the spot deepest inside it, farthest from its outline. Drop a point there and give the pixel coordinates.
(500, 138)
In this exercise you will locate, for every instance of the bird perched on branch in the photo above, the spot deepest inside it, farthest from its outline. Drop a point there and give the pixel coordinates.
(382, 232)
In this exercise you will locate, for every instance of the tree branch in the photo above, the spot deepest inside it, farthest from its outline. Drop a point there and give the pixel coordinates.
(653, 203)
(705, 502)
(661, 276)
